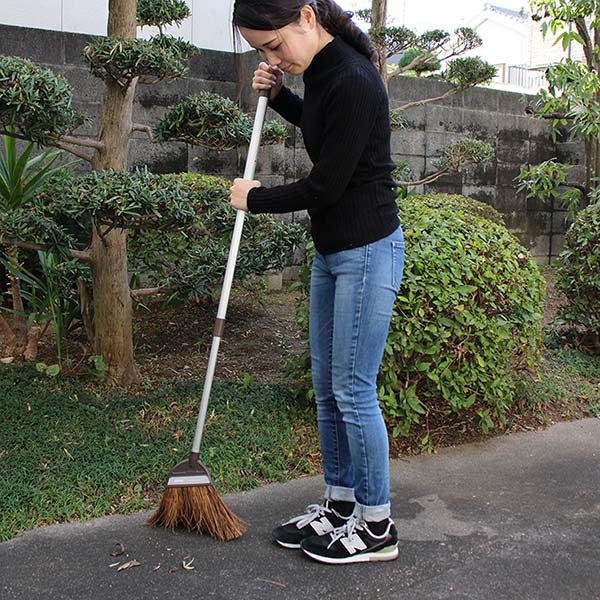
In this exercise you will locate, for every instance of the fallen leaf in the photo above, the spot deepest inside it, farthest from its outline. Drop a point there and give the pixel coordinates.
(119, 549)
(114, 564)
(277, 583)
(188, 565)
(156, 568)
(173, 569)
(129, 565)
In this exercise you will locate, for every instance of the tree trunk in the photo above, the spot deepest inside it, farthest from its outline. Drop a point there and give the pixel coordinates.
(111, 294)
(112, 306)
(379, 19)
(7, 350)
(33, 342)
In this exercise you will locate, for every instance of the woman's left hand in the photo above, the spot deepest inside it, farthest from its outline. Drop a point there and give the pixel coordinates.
(238, 197)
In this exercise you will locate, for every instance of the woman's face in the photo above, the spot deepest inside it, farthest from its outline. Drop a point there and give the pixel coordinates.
(291, 48)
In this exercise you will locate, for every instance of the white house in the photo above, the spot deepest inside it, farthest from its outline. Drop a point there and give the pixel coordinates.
(513, 42)
(208, 27)
(506, 36)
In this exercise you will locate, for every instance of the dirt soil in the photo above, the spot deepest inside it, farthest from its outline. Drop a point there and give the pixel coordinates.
(258, 338)
(260, 335)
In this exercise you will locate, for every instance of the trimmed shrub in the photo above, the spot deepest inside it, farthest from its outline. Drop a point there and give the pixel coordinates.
(36, 101)
(179, 225)
(579, 277)
(458, 202)
(191, 261)
(467, 318)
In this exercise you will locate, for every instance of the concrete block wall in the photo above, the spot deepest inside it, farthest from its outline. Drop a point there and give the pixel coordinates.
(63, 53)
(491, 115)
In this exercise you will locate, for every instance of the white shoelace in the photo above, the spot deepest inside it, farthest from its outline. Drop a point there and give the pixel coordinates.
(346, 530)
(313, 511)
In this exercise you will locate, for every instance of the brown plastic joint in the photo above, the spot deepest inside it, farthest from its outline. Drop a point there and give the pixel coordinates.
(219, 327)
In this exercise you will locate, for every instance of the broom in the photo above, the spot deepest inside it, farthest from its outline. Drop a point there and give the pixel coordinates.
(190, 499)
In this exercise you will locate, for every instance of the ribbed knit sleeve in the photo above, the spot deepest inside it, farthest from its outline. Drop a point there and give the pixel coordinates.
(288, 105)
(350, 109)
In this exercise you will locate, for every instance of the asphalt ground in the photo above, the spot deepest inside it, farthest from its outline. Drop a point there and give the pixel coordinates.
(516, 517)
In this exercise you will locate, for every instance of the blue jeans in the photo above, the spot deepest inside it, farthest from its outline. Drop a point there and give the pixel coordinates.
(352, 294)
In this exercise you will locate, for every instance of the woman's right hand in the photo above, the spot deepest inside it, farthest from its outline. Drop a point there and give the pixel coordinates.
(268, 77)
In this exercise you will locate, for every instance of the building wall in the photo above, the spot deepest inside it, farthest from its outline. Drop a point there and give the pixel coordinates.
(504, 41)
(495, 116)
(543, 52)
(208, 27)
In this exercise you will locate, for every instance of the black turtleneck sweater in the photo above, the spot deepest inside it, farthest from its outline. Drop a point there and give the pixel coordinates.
(344, 118)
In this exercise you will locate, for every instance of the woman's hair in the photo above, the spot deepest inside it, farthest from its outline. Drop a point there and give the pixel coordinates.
(268, 15)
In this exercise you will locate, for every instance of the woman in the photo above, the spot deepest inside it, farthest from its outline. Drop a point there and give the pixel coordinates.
(350, 197)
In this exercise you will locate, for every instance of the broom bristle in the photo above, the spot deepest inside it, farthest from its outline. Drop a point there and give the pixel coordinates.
(199, 508)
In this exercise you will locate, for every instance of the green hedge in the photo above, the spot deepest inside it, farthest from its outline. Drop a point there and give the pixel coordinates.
(467, 318)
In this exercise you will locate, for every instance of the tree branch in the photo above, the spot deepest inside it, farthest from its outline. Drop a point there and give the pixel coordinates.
(149, 291)
(72, 150)
(62, 146)
(429, 179)
(79, 254)
(428, 100)
(144, 128)
(14, 135)
(82, 141)
(419, 60)
(588, 47)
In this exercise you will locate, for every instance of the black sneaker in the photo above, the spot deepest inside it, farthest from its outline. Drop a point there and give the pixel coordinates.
(353, 542)
(319, 519)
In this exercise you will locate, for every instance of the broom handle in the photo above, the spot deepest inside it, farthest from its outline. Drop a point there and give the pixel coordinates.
(229, 271)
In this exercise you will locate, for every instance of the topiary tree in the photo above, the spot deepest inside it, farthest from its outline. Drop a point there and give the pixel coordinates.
(36, 105)
(422, 54)
(430, 48)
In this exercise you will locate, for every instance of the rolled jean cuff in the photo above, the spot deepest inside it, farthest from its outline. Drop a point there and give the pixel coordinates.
(341, 494)
(372, 513)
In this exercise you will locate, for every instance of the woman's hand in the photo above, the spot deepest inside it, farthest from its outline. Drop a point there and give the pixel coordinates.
(268, 77)
(238, 197)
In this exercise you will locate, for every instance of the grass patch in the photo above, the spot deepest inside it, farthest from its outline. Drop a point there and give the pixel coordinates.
(566, 386)
(70, 452)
